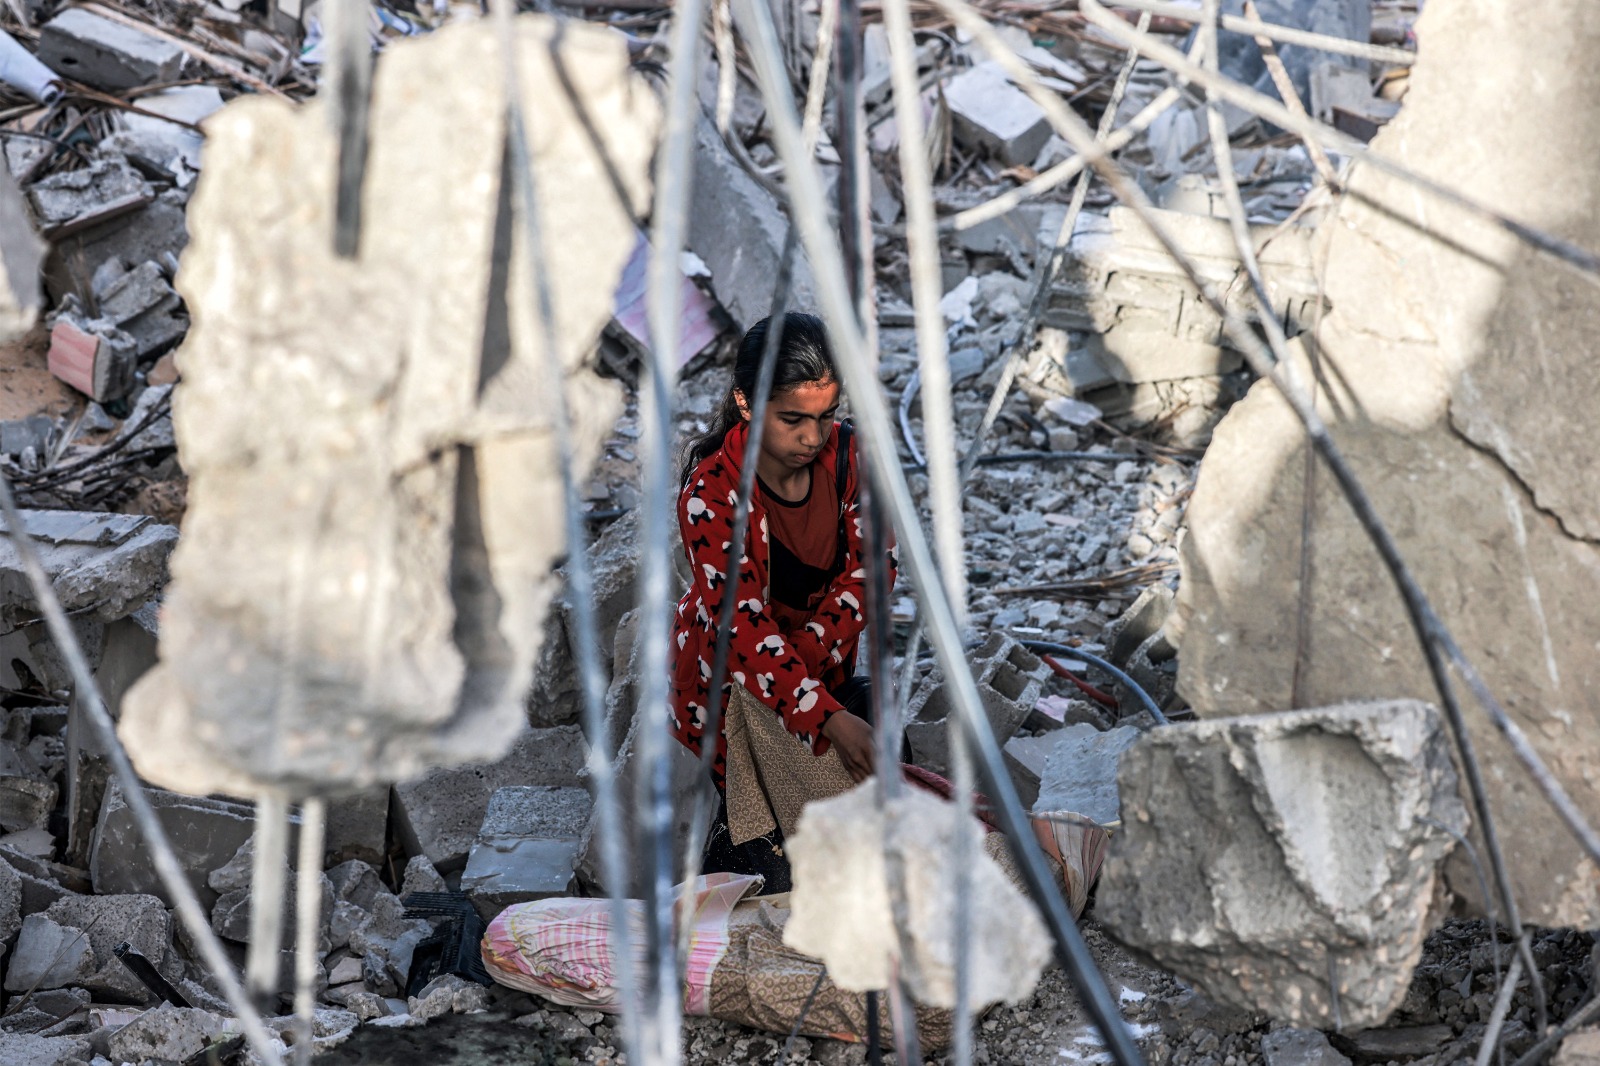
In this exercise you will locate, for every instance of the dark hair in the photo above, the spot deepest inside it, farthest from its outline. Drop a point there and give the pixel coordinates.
(803, 357)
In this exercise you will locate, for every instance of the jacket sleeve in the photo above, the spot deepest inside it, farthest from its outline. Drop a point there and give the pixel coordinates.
(841, 615)
(759, 657)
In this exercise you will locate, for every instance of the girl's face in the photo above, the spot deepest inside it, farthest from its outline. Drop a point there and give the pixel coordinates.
(799, 421)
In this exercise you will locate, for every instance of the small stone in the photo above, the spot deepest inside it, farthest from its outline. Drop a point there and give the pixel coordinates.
(420, 876)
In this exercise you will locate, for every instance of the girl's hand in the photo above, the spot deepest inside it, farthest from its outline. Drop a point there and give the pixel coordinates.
(852, 738)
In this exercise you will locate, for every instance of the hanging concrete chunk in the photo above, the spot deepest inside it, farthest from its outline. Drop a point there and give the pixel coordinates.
(840, 906)
(86, 47)
(366, 559)
(1458, 375)
(1269, 860)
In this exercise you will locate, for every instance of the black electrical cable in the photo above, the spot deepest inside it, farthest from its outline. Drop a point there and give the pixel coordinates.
(1095, 660)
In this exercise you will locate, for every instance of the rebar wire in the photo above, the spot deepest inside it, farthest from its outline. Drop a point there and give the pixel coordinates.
(855, 368)
(661, 1040)
(349, 75)
(927, 288)
(1259, 104)
(92, 703)
(580, 577)
(817, 87)
(1437, 642)
(307, 923)
(727, 63)
(800, 1020)
(1252, 27)
(1489, 905)
(1291, 98)
(711, 731)
(1065, 170)
(268, 861)
(1497, 1016)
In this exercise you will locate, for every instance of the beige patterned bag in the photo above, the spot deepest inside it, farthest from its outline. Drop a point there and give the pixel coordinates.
(771, 774)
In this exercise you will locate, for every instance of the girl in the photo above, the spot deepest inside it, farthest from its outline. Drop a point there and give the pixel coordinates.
(800, 586)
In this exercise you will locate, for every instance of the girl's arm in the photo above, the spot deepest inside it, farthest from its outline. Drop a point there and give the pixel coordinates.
(759, 657)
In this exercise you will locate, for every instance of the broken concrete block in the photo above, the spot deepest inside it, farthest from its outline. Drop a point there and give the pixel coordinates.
(1010, 679)
(168, 145)
(144, 306)
(230, 915)
(95, 358)
(840, 906)
(1581, 1048)
(205, 833)
(995, 116)
(44, 1008)
(102, 566)
(27, 795)
(73, 201)
(386, 940)
(358, 826)
(28, 1049)
(419, 651)
(420, 876)
(85, 47)
(166, 1034)
(527, 848)
(1300, 1047)
(41, 882)
(158, 231)
(49, 955)
(1328, 814)
(142, 921)
(439, 815)
(1080, 771)
(1141, 621)
(448, 994)
(737, 228)
(356, 882)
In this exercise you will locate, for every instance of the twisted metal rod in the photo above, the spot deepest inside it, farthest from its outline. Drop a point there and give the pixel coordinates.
(1250, 27)
(855, 367)
(580, 576)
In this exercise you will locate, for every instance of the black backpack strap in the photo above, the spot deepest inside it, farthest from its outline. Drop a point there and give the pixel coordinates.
(841, 465)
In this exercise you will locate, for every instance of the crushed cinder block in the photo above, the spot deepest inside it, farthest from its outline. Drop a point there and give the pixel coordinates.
(140, 920)
(992, 114)
(142, 303)
(1010, 679)
(1332, 815)
(439, 815)
(527, 848)
(205, 834)
(86, 47)
(158, 232)
(737, 228)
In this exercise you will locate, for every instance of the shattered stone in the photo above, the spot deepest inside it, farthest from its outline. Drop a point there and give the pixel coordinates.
(439, 815)
(166, 1034)
(420, 654)
(840, 905)
(108, 55)
(737, 228)
(205, 834)
(527, 848)
(140, 920)
(230, 915)
(102, 566)
(993, 115)
(1582, 1048)
(27, 1049)
(45, 1008)
(420, 876)
(1009, 678)
(367, 1005)
(72, 201)
(49, 955)
(158, 232)
(1329, 813)
(358, 826)
(386, 941)
(1300, 1047)
(1141, 621)
(448, 994)
(27, 795)
(345, 971)
(356, 882)
(1079, 771)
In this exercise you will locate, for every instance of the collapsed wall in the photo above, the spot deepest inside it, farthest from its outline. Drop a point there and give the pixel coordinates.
(1457, 366)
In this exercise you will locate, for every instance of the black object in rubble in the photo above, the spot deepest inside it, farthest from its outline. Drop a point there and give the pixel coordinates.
(454, 946)
(148, 975)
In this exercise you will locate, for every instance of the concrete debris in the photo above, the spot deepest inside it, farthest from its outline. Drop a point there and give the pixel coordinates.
(356, 882)
(736, 227)
(441, 523)
(840, 905)
(166, 1034)
(49, 955)
(28, 1049)
(527, 848)
(1009, 679)
(1423, 360)
(385, 942)
(439, 815)
(1071, 769)
(159, 142)
(102, 566)
(94, 357)
(448, 995)
(995, 116)
(108, 55)
(1332, 814)
(1299, 1047)
(205, 833)
(44, 1009)
(1582, 1048)
(74, 201)
(140, 920)
(420, 876)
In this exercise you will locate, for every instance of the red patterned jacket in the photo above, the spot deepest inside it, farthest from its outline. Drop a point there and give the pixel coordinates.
(788, 675)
